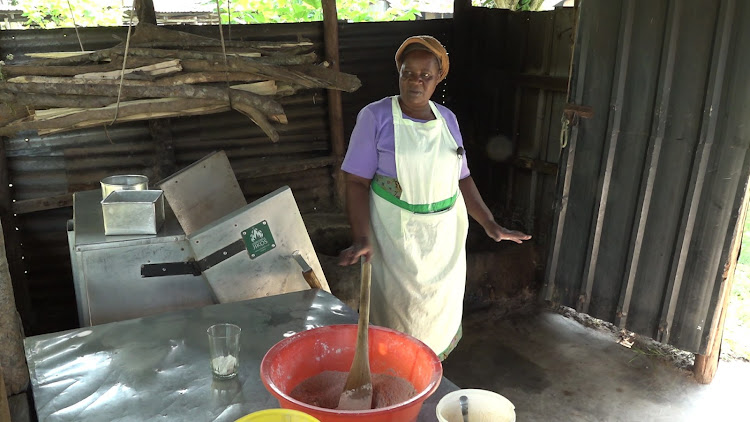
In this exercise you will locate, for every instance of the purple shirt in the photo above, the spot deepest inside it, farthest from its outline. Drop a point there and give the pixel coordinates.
(372, 144)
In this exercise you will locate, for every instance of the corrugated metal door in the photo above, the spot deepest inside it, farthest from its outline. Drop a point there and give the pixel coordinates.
(513, 86)
(650, 188)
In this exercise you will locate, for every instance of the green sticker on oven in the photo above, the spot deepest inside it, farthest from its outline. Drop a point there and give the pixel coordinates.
(258, 239)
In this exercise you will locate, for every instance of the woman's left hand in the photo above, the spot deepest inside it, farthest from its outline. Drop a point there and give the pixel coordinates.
(498, 233)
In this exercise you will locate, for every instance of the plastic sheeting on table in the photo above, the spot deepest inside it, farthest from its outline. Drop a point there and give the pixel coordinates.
(157, 367)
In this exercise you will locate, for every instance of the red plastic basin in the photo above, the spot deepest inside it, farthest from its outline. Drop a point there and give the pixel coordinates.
(331, 348)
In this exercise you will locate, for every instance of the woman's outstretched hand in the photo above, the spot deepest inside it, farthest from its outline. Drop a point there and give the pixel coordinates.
(351, 254)
(498, 233)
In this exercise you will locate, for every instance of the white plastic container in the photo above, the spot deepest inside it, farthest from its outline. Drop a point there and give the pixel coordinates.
(484, 406)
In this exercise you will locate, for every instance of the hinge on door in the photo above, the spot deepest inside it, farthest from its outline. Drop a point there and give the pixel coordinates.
(663, 331)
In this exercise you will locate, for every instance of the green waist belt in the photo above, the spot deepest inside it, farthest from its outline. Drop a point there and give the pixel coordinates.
(415, 208)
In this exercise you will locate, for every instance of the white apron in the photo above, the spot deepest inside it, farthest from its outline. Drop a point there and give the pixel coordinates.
(419, 259)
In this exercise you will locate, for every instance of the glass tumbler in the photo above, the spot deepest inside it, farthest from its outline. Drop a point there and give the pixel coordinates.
(224, 349)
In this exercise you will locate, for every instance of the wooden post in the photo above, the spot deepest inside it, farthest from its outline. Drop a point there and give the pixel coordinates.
(144, 9)
(460, 6)
(706, 365)
(335, 113)
(12, 244)
(161, 133)
(4, 407)
(14, 374)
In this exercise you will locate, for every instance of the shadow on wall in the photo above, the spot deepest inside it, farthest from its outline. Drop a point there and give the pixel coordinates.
(330, 234)
(495, 272)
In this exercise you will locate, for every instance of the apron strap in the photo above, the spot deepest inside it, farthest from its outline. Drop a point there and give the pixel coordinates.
(415, 208)
(398, 113)
(395, 108)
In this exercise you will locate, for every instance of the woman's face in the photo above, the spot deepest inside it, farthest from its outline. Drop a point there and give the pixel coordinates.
(418, 78)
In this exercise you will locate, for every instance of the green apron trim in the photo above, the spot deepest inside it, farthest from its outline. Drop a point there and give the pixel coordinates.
(460, 333)
(418, 208)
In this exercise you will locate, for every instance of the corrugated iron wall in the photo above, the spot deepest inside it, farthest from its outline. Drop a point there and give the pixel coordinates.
(513, 68)
(651, 187)
(54, 166)
(368, 51)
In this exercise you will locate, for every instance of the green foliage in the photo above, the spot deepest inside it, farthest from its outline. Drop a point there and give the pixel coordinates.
(280, 11)
(737, 327)
(515, 5)
(745, 248)
(50, 14)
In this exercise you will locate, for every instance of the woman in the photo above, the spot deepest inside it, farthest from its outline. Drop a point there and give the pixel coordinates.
(408, 192)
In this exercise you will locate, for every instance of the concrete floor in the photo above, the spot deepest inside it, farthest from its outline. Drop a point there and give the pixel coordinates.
(555, 369)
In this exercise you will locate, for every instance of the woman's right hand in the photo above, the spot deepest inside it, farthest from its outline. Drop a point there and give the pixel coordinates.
(351, 254)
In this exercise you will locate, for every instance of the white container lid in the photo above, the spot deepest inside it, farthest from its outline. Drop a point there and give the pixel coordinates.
(484, 406)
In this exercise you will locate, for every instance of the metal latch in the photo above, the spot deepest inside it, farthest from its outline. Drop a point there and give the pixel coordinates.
(571, 115)
(573, 111)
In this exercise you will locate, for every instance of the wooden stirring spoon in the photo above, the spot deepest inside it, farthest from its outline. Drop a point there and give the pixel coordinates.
(357, 394)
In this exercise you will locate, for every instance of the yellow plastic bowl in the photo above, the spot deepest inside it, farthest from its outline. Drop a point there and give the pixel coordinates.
(277, 415)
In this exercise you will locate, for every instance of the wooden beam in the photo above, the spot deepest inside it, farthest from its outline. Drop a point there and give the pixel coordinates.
(156, 69)
(283, 167)
(258, 118)
(128, 111)
(82, 87)
(335, 112)
(278, 67)
(17, 105)
(159, 37)
(11, 111)
(40, 204)
(10, 71)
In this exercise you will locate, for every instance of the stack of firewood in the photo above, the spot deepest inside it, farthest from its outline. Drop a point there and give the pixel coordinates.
(168, 73)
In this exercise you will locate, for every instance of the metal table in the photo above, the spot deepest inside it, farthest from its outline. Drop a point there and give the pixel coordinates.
(156, 367)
